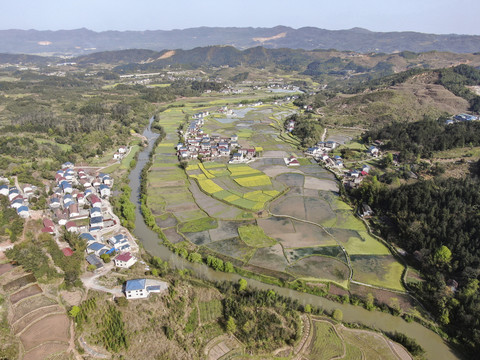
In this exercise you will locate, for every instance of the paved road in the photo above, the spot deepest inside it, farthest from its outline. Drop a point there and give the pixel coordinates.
(90, 281)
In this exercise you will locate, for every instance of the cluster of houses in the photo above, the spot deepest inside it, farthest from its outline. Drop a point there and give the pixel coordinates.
(117, 244)
(200, 145)
(18, 201)
(320, 153)
(353, 178)
(78, 196)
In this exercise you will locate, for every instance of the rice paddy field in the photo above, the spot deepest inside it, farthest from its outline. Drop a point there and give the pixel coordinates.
(268, 217)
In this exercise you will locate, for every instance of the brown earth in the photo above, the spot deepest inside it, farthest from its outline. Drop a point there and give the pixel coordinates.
(35, 302)
(45, 350)
(51, 328)
(27, 292)
(31, 317)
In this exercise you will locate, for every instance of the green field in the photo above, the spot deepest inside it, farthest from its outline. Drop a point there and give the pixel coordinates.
(254, 236)
(326, 344)
(210, 311)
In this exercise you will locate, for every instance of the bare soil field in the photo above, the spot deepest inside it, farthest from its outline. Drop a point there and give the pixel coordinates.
(173, 236)
(18, 283)
(71, 297)
(44, 351)
(31, 317)
(199, 238)
(50, 328)
(235, 248)
(4, 268)
(320, 184)
(33, 303)
(211, 206)
(27, 292)
(270, 258)
(227, 229)
(166, 222)
(322, 268)
(276, 225)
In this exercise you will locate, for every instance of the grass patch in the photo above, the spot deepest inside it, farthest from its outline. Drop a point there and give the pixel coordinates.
(202, 224)
(367, 245)
(304, 161)
(210, 311)
(253, 235)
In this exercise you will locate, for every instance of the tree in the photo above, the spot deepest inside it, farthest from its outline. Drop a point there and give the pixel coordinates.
(369, 302)
(308, 309)
(91, 267)
(106, 258)
(195, 257)
(228, 267)
(443, 256)
(388, 160)
(337, 315)
(74, 311)
(242, 285)
(231, 325)
(471, 288)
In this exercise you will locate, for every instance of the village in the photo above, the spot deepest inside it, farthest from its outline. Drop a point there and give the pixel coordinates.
(202, 146)
(79, 203)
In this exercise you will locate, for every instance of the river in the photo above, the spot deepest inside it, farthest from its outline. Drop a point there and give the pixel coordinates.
(433, 344)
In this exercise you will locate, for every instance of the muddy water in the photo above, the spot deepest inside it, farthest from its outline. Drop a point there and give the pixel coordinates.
(433, 344)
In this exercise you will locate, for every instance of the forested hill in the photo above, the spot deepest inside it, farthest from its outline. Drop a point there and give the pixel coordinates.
(438, 223)
(81, 41)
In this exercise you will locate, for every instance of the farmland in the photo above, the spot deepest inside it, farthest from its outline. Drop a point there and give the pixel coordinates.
(263, 215)
(331, 340)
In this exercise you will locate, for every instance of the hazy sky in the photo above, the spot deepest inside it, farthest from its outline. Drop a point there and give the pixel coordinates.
(431, 16)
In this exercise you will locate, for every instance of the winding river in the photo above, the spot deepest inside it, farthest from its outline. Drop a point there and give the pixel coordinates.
(433, 344)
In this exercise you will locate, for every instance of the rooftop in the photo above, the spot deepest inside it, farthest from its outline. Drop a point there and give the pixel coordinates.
(136, 284)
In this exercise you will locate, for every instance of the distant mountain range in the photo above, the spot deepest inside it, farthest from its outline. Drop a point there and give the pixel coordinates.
(84, 41)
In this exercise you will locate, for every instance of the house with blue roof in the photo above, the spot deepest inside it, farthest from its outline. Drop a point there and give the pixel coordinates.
(136, 289)
(141, 288)
(87, 237)
(95, 212)
(104, 190)
(119, 242)
(96, 248)
(23, 212)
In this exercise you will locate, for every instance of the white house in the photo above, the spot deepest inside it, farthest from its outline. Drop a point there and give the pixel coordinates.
(104, 190)
(125, 260)
(119, 242)
(71, 226)
(4, 190)
(373, 150)
(141, 288)
(23, 212)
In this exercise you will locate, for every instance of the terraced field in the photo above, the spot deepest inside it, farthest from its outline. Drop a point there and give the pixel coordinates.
(334, 341)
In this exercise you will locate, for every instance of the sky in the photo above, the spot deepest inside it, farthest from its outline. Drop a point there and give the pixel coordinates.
(429, 16)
